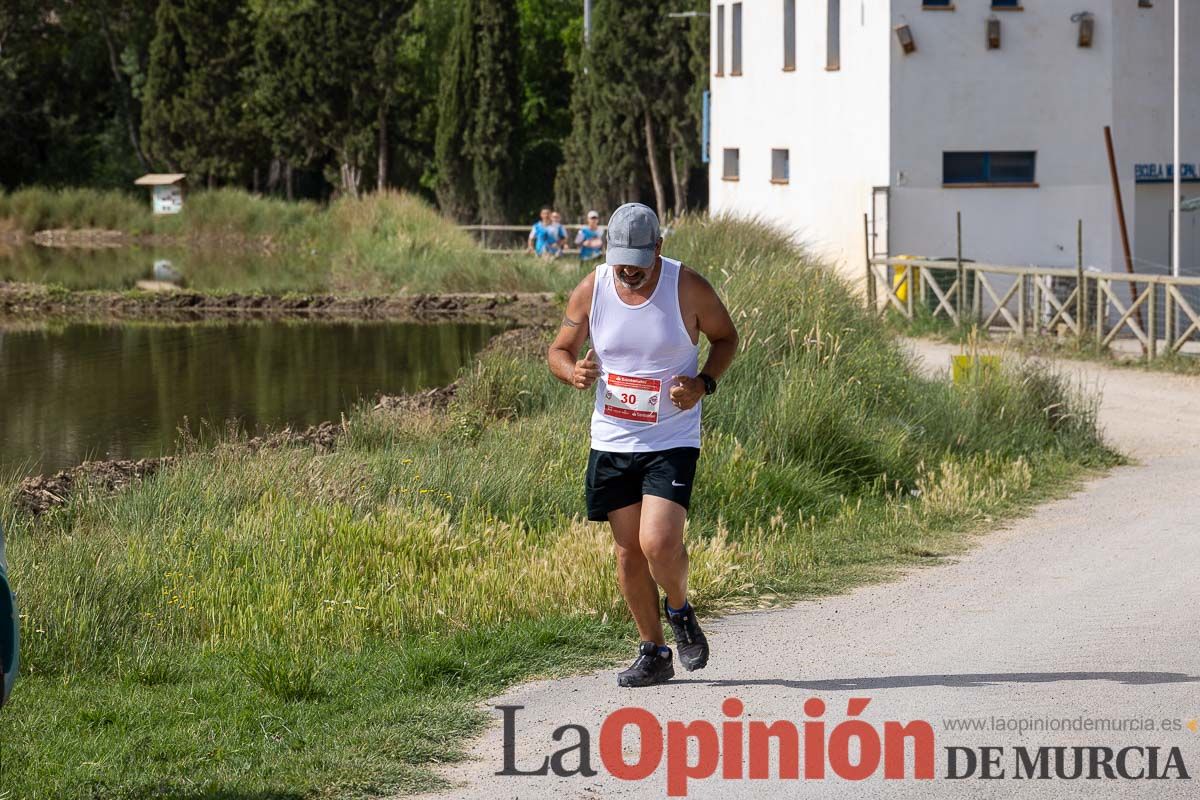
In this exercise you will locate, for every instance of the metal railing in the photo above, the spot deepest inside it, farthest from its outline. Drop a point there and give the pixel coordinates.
(487, 236)
(1158, 311)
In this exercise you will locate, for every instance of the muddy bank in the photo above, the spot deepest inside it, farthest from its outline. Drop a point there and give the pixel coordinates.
(42, 493)
(103, 238)
(32, 301)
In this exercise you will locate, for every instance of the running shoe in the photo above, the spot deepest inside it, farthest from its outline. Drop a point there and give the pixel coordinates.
(649, 669)
(689, 639)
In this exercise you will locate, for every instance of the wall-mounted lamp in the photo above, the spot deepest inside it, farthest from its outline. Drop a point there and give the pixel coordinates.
(1087, 27)
(993, 33)
(904, 34)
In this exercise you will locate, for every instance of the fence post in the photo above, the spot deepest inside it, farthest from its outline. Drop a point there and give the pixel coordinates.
(1169, 318)
(977, 300)
(1101, 311)
(1151, 316)
(1021, 305)
(909, 289)
(962, 278)
(870, 267)
(1080, 284)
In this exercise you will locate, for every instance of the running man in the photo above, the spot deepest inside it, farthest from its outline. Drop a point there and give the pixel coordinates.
(590, 239)
(645, 314)
(538, 233)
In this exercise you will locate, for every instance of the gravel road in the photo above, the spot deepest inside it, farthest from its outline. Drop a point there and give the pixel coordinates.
(1083, 611)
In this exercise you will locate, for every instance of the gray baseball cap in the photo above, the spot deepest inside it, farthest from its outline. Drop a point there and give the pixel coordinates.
(632, 236)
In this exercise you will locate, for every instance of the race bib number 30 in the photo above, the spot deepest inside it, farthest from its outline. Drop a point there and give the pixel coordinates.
(634, 399)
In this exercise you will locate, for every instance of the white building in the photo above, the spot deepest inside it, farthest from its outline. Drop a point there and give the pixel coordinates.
(819, 115)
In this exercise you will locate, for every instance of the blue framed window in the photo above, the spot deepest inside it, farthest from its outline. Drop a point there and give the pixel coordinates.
(937, 3)
(996, 167)
(1006, 3)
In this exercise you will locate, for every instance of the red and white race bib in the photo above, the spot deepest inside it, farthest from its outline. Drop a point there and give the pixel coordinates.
(634, 399)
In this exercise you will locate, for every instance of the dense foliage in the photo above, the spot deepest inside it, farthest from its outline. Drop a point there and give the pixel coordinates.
(494, 107)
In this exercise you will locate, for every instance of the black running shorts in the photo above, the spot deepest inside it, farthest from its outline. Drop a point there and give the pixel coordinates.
(616, 480)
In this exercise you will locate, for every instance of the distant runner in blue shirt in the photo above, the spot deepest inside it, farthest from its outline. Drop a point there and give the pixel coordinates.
(590, 240)
(556, 236)
(537, 234)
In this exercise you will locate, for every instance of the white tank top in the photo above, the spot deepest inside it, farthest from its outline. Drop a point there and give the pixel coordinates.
(639, 349)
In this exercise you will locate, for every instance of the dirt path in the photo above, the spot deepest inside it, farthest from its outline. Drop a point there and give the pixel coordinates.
(1085, 610)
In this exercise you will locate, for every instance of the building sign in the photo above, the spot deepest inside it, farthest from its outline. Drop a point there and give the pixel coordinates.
(168, 199)
(1164, 173)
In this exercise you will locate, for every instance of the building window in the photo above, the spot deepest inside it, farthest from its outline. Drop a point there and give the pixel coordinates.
(789, 35)
(735, 22)
(1012, 5)
(730, 166)
(989, 168)
(720, 40)
(833, 35)
(780, 170)
(937, 4)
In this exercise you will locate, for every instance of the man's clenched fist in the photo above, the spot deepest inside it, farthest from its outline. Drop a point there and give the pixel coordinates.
(586, 371)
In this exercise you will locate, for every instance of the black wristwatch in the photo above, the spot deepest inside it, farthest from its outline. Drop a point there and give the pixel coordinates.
(710, 383)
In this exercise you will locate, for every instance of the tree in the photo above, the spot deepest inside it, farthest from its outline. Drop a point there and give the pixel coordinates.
(478, 112)
(547, 27)
(195, 114)
(328, 80)
(634, 107)
(127, 28)
(62, 119)
(457, 96)
(493, 137)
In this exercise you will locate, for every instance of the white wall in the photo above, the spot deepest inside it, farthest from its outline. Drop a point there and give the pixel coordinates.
(1142, 121)
(833, 122)
(885, 119)
(1039, 92)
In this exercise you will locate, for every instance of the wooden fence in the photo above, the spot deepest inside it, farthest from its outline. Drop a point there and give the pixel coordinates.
(1153, 309)
(487, 234)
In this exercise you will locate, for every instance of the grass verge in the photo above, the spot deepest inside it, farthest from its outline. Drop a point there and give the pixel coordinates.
(286, 624)
(230, 241)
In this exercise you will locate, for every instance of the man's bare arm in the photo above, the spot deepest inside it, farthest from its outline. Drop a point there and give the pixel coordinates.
(563, 357)
(715, 323)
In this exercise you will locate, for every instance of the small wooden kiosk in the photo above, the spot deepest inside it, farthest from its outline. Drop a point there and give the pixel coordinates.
(166, 191)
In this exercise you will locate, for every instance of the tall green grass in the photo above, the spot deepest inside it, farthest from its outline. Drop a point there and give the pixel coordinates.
(206, 211)
(34, 209)
(228, 240)
(292, 622)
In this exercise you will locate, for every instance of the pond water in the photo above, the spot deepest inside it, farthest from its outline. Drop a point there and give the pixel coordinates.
(74, 392)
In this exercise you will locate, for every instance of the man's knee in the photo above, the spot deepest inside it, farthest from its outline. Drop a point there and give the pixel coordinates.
(661, 547)
(629, 555)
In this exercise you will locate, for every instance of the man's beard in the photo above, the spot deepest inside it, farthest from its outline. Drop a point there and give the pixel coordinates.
(645, 273)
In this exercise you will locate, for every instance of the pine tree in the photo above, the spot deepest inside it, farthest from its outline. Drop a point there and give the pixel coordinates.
(492, 139)
(634, 108)
(195, 100)
(456, 100)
